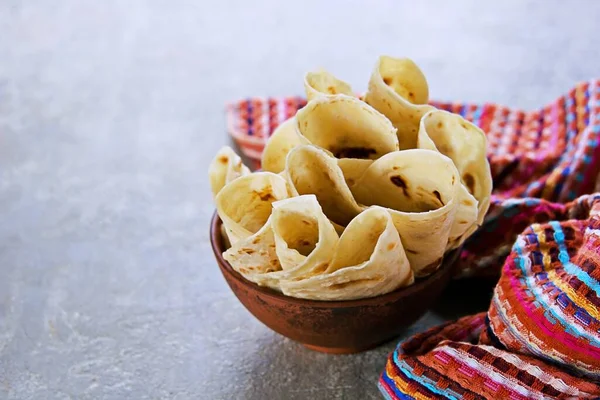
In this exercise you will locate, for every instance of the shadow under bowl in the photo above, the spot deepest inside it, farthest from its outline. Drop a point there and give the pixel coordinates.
(339, 327)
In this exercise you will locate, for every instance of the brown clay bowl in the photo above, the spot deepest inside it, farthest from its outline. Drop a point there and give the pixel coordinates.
(339, 327)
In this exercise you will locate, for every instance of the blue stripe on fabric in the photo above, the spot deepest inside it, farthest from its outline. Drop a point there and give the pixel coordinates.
(421, 380)
(571, 268)
(392, 385)
(477, 115)
(249, 119)
(551, 314)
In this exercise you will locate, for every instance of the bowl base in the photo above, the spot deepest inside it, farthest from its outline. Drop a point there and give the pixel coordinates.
(339, 350)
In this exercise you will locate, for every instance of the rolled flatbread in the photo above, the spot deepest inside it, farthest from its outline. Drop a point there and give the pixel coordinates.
(346, 127)
(244, 204)
(466, 145)
(224, 168)
(369, 261)
(419, 188)
(398, 89)
(323, 83)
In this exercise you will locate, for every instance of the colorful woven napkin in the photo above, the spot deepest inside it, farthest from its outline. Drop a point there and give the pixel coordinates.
(539, 159)
(541, 335)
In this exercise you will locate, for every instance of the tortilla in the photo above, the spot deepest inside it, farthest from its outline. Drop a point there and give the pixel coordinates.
(322, 83)
(244, 204)
(419, 187)
(346, 127)
(353, 168)
(298, 239)
(224, 168)
(465, 220)
(310, 170)
(399, 90)
(284, 139)
(369, 261)
(304, 237)
(254, 255)
(466, 145)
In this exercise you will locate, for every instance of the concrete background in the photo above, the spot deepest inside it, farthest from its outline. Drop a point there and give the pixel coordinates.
(109, 114)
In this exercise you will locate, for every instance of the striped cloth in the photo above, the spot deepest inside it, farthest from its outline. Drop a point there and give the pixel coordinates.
(539, 339)
(539, 159)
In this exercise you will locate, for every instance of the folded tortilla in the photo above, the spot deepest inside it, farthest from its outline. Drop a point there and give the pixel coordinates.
(466, 145)
(254, 255)
(398, 89)
(369, 261)
(298, 238)
(346, 127)
(283, 139)
(224, 168)
(311, 170)
(419, 188)
(465, 220)
(244, 204)
(321, 83)
(353, 168)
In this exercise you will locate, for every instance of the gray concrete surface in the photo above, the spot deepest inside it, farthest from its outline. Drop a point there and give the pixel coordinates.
(109, 114)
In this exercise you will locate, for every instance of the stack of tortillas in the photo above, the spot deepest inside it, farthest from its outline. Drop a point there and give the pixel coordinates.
(357, 197)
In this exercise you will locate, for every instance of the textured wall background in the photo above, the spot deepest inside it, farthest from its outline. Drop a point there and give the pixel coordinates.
(109, 114)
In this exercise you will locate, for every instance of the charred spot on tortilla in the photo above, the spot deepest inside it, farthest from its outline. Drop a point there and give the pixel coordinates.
(265, 195)
(224, 159)
(331, 90)
(467, 203)
(387, 81)
(248, 251)
(401, 183)
(438, 196)
(411, 95)
(354, 152)
(391, 246)
(255, 240)
(469, 182)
